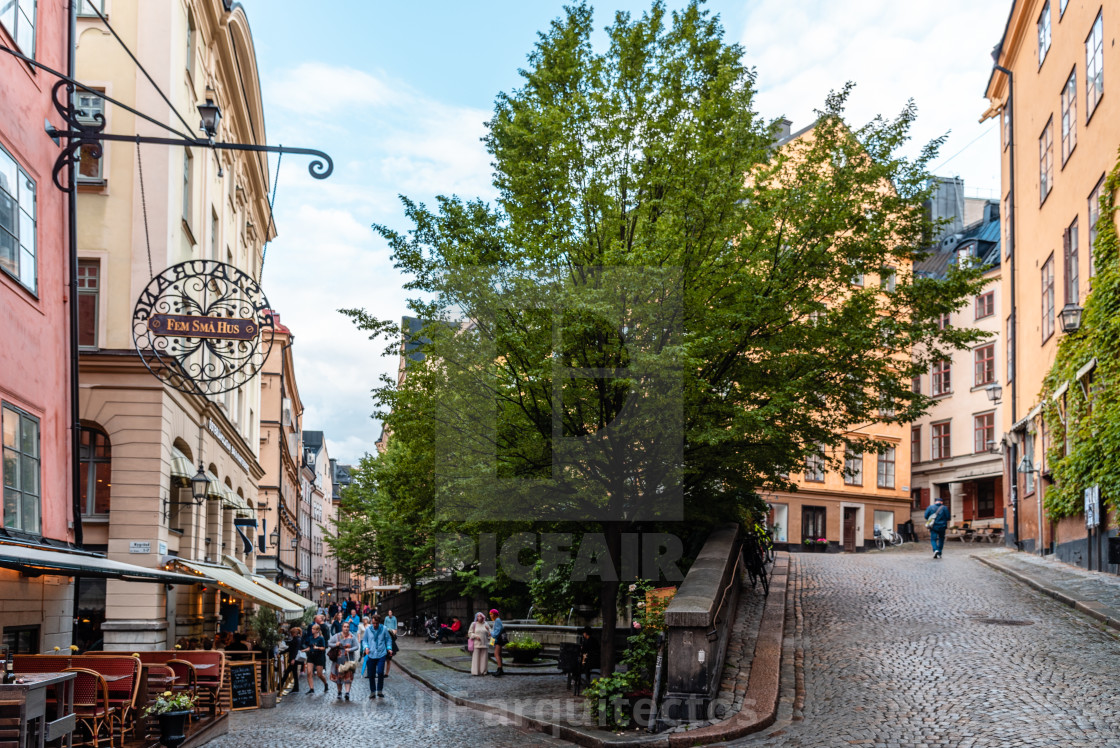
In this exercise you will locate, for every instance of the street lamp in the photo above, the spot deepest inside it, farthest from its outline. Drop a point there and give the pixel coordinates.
(995, 392)
(1070, 317)
(211, 115)
(275, 538)
(200, 485)
(295, 543)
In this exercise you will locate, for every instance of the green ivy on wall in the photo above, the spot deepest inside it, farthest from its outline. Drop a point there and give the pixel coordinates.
(1093, 422)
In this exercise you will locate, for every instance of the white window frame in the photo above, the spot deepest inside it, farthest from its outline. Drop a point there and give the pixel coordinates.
(24, 265)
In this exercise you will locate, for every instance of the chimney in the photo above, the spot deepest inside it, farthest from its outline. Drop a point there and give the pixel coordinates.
(784, 131)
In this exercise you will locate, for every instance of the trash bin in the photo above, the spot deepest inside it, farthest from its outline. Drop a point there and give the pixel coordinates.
(1114, 550)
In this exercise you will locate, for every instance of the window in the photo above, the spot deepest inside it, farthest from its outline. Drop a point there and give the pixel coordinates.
(1048, 298)
(1005, 115)
(89, 289)
(983, 432)
(886, 468)
(1028, 455)
(812, 523)
(90, 107)
(985, 359)
(1046, 160)
(857, 279)
(814, 466)
(214, 253)
(986, 305)
(86, 8)
(1070, 242)
(190, 43)
(853, 468)
(942, 379)
(21, 470)
(1010, 348)
(18, 17)
(17, 222)
(943, 321)
(985, 499)
(1094, 67)
(1062, 8)
(890, 279)
(1007, 223)
(1044, 33)
(1094, 216)
(188, 163)
(916, 385)
(21, 639)
(95, 456)
(1069, 116)
(940, 448)
(915, 444)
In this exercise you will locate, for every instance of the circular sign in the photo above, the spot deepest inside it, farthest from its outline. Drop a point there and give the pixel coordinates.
(197, 327)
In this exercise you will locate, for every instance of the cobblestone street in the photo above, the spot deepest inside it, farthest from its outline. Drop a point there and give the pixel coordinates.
(410, 715)
(896, 653)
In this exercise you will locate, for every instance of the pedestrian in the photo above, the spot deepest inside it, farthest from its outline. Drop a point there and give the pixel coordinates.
(332, 609)
(450, 632)
(478, 641)
(316, 648)
(390, 624)
(336, 623)
(940, 515)
(346, 661)
(362, 626)
(293, 645)
(377, 647)
(353, 619)
(498, 639)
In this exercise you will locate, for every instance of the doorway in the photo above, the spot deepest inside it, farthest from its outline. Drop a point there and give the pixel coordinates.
(850, 516)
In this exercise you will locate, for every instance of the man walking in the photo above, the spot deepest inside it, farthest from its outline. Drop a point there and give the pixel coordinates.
(376, 645)
(940, 514)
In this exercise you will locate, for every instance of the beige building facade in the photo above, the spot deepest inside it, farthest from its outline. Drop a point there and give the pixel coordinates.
(143, 441)
(1055, 66)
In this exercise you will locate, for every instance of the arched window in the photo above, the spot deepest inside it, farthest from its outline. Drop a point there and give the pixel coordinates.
(96, 479)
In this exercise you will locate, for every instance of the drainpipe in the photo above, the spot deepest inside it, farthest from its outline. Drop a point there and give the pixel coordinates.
(72, 227)
(1013, 326)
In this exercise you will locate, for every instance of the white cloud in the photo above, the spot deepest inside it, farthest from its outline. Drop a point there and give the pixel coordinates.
(934, 52)
(385, 140)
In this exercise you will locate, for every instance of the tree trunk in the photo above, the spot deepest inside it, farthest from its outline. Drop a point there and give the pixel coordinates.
(609, 599)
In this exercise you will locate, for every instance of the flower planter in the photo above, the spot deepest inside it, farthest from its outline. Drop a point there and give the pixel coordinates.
(523, 657)
(173, 728)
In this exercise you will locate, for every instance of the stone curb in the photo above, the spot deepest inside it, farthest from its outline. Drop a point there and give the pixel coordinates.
(1106, 615)
(457, 669)
(760, 704)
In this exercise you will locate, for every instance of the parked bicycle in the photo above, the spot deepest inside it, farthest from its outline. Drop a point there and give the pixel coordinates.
(758, 557)
(886, 536)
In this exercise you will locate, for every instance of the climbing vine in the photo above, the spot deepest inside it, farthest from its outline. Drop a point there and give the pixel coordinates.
(1084, 421)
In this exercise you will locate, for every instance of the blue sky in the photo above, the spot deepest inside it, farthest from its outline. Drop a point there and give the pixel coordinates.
(398, 93)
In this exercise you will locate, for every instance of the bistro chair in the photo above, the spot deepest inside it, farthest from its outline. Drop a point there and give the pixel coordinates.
(185, 678)
(91, 703)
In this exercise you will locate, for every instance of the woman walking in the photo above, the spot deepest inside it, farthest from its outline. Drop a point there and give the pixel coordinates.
(478, 638)
(342, 669)
(498, 638)
(316, 648)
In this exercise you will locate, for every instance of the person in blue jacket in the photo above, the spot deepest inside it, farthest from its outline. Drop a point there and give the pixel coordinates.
(940, 514)
(376, 646)
(498, 638)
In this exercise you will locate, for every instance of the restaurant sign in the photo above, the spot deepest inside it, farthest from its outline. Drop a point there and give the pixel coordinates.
(203, 327)
(197, 327)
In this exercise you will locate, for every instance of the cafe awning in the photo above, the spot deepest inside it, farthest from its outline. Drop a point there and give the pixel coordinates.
(244, 586)
(283, 592)
(180, 466)
(37, 560)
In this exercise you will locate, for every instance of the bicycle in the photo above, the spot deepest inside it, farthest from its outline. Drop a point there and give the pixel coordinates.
(885, 537)
(754, 555)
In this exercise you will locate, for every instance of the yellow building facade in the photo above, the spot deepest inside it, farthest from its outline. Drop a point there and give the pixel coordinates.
(140, 212)
(1054, 90)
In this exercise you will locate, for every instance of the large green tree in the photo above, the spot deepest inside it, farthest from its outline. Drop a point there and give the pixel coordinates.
(657, 258)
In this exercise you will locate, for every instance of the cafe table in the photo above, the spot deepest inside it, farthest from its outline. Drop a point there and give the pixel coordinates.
(41, 707)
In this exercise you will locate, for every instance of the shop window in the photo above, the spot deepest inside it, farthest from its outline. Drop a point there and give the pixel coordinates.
(21, 639)
(985, 499)
(812, 522)
(89, 615)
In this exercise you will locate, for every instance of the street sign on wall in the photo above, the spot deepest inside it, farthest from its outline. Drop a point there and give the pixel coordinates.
(1092, 502)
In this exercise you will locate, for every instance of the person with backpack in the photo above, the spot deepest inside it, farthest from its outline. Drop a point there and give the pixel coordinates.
(937, 520)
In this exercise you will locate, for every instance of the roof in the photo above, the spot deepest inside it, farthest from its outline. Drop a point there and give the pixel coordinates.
(313, 440)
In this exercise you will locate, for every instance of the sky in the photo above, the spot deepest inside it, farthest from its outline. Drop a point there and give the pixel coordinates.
(398, 94)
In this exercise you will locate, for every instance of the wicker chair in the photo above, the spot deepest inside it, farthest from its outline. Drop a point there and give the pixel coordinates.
(91, 703)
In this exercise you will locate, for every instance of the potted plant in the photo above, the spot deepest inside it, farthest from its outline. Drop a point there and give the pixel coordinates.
(266, 629)
(172, 710)
(821, 545)
(523, 649)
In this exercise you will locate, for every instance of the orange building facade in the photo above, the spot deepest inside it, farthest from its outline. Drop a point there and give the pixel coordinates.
(1054, 90)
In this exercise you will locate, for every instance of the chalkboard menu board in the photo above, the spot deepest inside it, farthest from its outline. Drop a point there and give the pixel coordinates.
(243, 686)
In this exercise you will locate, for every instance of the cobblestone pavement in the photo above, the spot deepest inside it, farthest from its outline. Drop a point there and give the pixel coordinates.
(410, 715)
(896, 653)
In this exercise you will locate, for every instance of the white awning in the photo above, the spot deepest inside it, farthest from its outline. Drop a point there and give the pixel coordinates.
(37, 560)
(283, 592)
(181, 467)
(243, 586)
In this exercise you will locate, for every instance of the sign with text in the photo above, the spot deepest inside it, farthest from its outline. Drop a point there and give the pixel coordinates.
(243, 690)
(140, 546)
(188, 326)
(1092, 502)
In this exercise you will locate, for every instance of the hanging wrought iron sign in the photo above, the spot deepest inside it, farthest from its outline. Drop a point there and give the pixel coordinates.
(197, 327)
